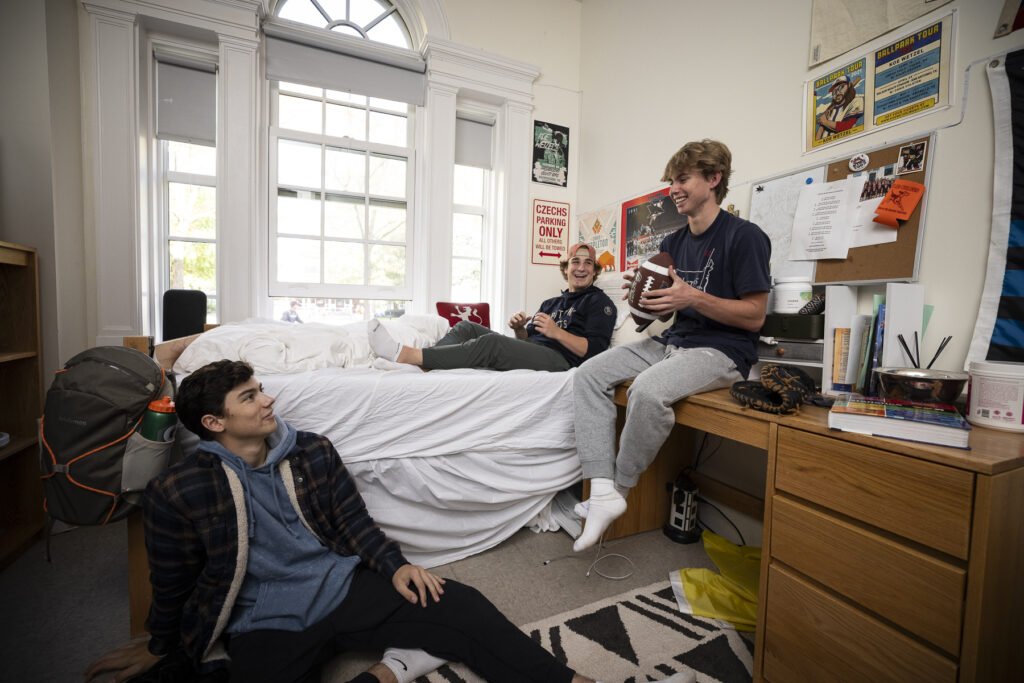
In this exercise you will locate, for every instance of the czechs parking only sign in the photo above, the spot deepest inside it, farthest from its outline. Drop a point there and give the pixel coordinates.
(550, 232)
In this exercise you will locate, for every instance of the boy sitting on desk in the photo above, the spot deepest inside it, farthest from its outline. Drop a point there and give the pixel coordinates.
(719, 290)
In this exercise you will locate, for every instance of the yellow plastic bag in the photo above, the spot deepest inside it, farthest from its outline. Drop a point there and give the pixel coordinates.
(729, 597)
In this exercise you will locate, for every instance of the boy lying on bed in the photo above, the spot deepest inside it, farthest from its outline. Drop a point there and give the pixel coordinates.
(264, 561)
(567, 330)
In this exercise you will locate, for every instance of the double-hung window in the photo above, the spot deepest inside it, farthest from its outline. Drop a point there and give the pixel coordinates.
(341, 164)
(341, 160)
(190, 198)
(186, 88)
(471, 215)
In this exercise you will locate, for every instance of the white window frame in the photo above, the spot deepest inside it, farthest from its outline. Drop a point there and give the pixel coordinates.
(154, 253)
(166, 177)
(487, 215)
(277, 288)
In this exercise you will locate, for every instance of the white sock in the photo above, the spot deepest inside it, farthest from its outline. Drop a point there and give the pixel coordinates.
(605, 505)
(382, 343)
(688, 676)
(408, 665)
(392, 366)
(581, 509)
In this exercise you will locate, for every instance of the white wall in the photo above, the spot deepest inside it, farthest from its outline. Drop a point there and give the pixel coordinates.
(658, 73)
(40, 189)
(545, 33)
(734, 71)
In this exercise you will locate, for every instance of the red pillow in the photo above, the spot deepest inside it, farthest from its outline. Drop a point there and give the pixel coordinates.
(479, 313)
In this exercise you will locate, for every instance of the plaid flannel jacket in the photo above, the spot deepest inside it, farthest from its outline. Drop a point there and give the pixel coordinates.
(197, 540)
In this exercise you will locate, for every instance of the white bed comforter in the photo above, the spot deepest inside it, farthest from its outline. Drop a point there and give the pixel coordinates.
(277, 348)
(450, 463)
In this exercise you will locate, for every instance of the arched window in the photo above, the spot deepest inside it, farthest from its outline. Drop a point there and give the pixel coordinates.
(376, 20)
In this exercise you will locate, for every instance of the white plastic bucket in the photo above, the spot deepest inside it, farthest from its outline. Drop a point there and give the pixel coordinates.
(790, 294)
(995, 395)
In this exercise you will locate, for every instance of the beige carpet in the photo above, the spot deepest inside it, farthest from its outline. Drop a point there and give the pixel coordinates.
(634, 637)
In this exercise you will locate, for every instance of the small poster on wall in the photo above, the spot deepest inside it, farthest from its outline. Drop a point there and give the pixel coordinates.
(910, 75)
(550, 154)
(550, 232)
(600, 229)
(837, 105)
(646, 220)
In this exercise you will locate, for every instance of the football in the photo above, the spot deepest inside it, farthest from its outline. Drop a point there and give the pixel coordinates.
(652, 274)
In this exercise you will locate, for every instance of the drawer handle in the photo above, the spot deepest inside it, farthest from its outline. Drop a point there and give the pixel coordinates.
(780, 351)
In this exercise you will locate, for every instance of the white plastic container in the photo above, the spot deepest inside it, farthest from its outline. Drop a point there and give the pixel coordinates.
(995, 395)
(790, 294)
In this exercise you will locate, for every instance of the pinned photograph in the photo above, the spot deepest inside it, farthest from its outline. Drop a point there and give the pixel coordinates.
(911, 158)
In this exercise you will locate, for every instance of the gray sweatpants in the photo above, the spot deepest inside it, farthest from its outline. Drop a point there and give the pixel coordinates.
(661, 376)
(468, 345)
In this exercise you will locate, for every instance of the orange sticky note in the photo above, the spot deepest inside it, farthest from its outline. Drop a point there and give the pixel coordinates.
(899, 203)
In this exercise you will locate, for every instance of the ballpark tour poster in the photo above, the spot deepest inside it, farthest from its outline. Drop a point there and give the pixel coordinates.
(910, 75)
(550, 154)
(837, 105)
(899, 80)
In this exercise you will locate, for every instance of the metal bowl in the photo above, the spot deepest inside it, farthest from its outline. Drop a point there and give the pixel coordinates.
(920, 384)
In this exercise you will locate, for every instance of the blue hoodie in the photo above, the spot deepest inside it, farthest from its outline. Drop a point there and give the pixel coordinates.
(292, 581)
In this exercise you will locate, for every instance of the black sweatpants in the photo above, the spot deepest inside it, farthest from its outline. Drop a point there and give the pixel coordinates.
(463, 626)
(468, 345)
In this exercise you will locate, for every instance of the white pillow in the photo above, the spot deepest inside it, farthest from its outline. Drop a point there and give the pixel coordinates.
(611, 284)
(627, 333)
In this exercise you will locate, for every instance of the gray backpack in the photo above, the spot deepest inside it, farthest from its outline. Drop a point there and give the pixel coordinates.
(94, 465)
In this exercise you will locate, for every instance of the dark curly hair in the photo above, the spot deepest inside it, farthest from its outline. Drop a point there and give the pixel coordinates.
(203, 392)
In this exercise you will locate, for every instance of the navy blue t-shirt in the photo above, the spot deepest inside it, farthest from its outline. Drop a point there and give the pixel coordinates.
(587, 313)
(728, 260)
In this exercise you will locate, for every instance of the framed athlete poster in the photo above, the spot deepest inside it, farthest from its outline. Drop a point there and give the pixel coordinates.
(646, 220)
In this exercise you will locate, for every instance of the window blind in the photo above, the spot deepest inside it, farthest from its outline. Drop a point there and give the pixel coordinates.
(347, 64)
(473, 141)
(186, 105)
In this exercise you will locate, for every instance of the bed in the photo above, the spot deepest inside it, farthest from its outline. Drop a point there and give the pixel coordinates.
(450, 463)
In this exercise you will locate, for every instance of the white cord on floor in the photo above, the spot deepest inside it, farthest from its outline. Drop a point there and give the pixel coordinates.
(599, 557)
(593, 565)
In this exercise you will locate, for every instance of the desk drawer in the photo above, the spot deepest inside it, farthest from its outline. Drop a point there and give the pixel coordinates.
(813, 636)
(922, 501)
(914, 590)
(785, 350)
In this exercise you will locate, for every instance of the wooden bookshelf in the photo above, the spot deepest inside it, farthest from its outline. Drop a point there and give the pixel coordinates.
(21, 395)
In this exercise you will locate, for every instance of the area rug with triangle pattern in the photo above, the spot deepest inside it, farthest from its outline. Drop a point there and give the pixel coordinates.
(635, 637)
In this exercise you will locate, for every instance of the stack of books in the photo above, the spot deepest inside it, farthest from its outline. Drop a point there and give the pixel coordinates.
(932, 423)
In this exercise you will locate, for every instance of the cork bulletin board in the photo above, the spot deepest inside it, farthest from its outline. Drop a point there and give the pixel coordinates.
(896, 261)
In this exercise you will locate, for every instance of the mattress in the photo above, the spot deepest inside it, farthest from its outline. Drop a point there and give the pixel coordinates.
(449, 462)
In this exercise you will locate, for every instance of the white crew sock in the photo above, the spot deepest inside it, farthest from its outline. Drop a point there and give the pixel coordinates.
(408, 665)
(605, 505)
(382, 343)
(581, 509)
(688, 676)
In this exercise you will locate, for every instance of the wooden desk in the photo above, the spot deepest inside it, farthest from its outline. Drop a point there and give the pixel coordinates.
(883, 560)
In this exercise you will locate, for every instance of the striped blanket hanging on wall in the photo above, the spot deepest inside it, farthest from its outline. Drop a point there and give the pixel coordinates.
(999, 330)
